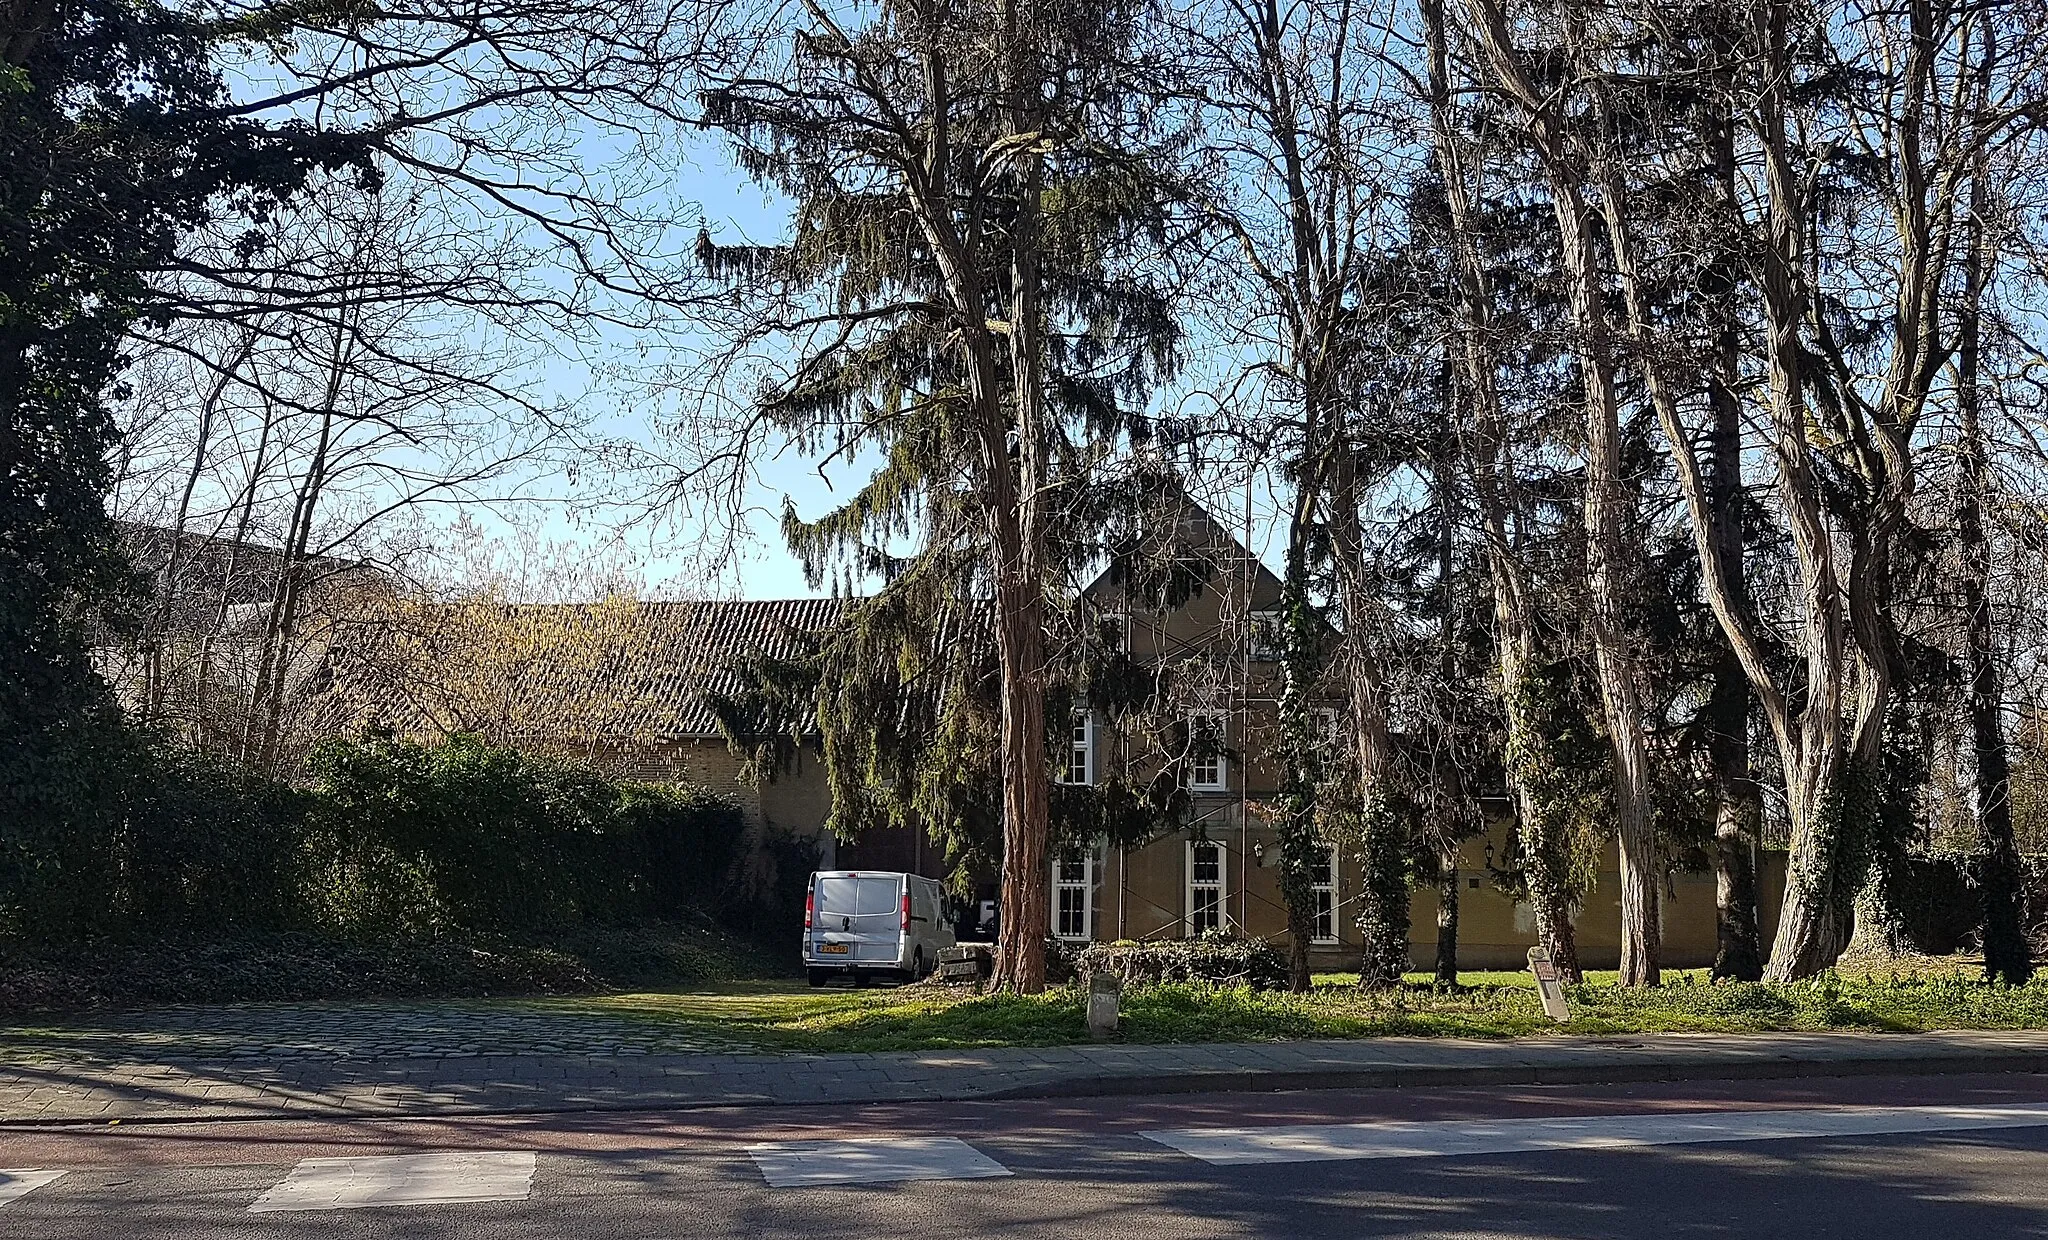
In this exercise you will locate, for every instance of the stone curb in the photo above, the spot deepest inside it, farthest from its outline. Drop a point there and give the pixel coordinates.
(1615, 1073)
(1916, 1060)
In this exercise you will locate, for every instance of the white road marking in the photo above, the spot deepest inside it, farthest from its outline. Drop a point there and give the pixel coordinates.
(874, 1160)
(14, 1184)
(1450, 1138)
(401, 1180)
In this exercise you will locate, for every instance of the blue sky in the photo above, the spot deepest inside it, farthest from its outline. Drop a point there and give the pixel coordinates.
(666, 551)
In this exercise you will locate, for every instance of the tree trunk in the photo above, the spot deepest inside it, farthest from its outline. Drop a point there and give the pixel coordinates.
(1447, 880)
(1513, 628)
(1738, 807)
(2007, 955)
(1738, 949)
(1383, 896)
(1818, 916)
(263, 729)
(1026, 911)
(1620, 690)
(1300, 843)
(174, 560)
(1020, 942)
(1813, 925)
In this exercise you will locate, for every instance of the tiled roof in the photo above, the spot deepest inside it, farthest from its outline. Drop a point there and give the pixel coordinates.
(192, 576)
(568, 672)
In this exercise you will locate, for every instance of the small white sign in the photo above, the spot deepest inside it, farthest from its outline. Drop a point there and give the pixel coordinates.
(1548, 986)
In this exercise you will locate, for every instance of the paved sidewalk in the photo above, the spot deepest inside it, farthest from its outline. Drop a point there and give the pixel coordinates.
(305, 1080)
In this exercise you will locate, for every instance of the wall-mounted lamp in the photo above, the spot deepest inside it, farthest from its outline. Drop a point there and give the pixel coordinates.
(1489, 854)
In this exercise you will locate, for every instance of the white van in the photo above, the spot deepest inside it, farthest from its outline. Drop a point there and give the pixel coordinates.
(863, 924)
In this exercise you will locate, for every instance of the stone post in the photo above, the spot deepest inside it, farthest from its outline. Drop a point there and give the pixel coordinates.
(1104, 994)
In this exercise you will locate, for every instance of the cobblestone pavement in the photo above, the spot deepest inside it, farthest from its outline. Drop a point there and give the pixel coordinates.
(292, 1060)
(272, 1032)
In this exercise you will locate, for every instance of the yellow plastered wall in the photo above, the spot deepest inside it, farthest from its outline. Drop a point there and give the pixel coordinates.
(1144, 896)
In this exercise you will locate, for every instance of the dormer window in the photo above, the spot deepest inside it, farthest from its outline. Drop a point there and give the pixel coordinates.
(1268, 636)
(1208, 769)
(1115, 630)
(1080, 767)
(1329, 727)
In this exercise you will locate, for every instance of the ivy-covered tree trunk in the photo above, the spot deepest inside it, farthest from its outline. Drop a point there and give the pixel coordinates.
(1299, 839)
(1383, 894)
(1383, 897)
(1565, 173)
(1820, 890)
(1491, 480)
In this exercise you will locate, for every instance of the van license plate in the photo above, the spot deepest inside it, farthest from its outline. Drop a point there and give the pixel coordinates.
(833, 949)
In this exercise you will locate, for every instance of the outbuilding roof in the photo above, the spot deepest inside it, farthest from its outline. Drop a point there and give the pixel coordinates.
(617, 669)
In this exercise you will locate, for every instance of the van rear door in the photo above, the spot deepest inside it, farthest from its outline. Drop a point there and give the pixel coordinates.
(858, 918)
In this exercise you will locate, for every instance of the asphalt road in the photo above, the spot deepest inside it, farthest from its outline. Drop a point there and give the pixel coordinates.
(1061, 1169)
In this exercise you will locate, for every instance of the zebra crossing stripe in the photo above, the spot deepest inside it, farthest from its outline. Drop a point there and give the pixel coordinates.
(17, 1184)
(1451, 1138)
(401, 1180)
(872, 1160)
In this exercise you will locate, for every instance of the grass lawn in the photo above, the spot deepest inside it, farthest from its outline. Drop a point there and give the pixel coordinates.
(780, 1016)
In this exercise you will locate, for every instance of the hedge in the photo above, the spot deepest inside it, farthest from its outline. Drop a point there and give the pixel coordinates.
(1220, 959)
(385, 838)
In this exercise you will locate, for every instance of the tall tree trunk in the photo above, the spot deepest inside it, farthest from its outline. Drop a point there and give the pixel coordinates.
(174, 560)
(1383, 897)
(1453, 832)
(1738, 808)
(263, 728)
(2007, 956)
(1026, 912)
(1606, 551)
(1814, 922)
(1514, 631)
(1606, 555)
(245, 517)
(1020, 945)
(1300, 843)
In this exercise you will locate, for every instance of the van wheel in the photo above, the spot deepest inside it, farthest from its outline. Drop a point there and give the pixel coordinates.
(918, 972)
(818, 977)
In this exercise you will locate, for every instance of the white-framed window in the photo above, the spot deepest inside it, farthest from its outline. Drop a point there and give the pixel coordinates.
(1115, 627)
(1208, 875)
(1208, 769)
(1080, 764)
(1073, 895)
(1325, 875)
(1328, 724)
(1268, 635)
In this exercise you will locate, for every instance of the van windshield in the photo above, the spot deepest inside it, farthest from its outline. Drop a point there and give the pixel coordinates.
(850, 897)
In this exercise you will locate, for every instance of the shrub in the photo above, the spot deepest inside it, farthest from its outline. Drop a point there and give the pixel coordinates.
(1219, 959)
(1062, 960)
